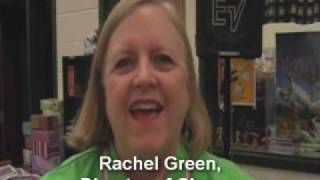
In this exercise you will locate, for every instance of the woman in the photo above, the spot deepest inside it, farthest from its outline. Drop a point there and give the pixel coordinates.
(142, 100)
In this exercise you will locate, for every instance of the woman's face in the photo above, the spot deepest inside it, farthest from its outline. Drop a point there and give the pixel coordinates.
(146, 84)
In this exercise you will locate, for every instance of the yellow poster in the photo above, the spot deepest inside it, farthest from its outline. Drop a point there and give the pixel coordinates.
(243, 81)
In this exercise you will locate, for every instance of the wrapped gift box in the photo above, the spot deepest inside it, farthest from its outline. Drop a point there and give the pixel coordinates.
(51, 105)
(28, 142)
(41, 165)
(45, 135)
(45, 150)
(27, 155)
(45, 144)
(26, 128)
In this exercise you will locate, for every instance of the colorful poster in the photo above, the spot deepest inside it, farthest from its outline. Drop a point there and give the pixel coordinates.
(298, 91)
(243, 82)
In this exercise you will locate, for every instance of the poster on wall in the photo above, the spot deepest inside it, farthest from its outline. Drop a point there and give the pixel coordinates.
(243, 82)
(298, 92)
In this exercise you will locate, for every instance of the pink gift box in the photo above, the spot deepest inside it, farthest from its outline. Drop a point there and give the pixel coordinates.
(45, 135)
(41, 165)
(45, 144)
(45, 150)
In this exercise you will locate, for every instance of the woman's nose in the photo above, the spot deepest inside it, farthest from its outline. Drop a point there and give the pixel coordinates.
(144, 76)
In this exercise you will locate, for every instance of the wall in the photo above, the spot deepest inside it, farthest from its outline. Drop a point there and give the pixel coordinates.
(76, 19)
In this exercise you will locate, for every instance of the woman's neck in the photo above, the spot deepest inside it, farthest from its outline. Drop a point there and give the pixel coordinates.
(158, 174)
(147, 175)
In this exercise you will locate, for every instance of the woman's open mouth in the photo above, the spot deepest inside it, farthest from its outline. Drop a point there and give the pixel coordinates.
(145, 110)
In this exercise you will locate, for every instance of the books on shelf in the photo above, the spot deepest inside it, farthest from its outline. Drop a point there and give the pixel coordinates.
(71, 81)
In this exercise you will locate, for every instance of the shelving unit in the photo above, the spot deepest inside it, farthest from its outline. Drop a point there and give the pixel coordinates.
(75, 77)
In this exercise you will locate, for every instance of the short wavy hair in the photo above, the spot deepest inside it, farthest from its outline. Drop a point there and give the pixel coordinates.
(92, 127)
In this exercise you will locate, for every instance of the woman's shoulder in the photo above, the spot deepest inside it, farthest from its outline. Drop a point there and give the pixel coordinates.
(83, 164)
(224, 169)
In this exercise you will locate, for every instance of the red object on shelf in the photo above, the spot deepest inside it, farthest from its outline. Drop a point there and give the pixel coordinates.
(71, 81)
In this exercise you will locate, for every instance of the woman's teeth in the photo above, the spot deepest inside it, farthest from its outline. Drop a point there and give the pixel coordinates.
(149, 106)
(145, 109)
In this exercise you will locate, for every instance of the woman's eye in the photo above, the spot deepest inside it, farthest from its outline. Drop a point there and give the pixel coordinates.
(163, 61)
(124, 65)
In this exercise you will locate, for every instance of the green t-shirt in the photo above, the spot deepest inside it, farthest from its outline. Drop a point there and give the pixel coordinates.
(86, 165)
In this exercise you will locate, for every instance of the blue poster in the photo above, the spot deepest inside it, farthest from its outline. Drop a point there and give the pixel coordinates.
(298, 91)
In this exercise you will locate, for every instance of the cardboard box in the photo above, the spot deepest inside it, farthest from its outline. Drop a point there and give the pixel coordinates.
(27, 156)
(51, 105)
(26, 128)
(44, 122)
(28, 142)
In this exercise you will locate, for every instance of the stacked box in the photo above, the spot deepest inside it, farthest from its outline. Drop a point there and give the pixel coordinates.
(51, 107)
(26, 128)
(45, 142)
(44, 122)
(26, 131)
(28, 142)
(27, 155)
(41, 165)
(27, 150)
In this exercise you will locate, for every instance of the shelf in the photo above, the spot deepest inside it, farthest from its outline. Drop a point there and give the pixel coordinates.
(296, 163)
(76, 72)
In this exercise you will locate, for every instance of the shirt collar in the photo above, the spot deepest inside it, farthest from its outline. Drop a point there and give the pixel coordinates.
(181, 154)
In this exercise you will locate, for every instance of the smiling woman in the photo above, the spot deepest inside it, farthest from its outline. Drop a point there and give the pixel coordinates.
(145, 71)
(142, 101)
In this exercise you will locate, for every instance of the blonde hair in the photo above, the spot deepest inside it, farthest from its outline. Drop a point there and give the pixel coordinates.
(92, 126)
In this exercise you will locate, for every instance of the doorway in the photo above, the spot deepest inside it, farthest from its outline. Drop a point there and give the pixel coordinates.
(12, 54)
(27, 68)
